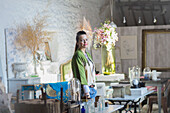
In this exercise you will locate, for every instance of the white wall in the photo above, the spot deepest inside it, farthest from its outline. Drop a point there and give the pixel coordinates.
(65, 18)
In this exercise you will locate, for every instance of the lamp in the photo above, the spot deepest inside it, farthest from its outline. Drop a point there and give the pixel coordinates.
(124, 20)
(154, 20)
(111, 11)
(139, 21)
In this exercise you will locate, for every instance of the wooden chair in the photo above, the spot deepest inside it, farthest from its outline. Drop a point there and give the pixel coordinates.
(153, 99)
(66, 71)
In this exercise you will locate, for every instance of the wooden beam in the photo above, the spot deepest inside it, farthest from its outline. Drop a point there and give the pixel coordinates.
(143, 16)
(163, 15)
(133, 15)
(143, 3)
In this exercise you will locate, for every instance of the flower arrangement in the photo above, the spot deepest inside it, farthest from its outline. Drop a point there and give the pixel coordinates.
(33, 35)
(105, 35)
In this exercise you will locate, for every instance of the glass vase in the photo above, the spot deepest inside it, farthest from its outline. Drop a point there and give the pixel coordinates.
(108, 61)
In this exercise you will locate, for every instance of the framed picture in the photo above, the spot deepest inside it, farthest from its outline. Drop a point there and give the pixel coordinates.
(128, 47)
(155, 49)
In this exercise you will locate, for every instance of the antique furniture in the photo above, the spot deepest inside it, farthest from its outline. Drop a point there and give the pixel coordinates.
(128, 98)
(164, 100)
(16, 83)
(66, 71)
(159, 84)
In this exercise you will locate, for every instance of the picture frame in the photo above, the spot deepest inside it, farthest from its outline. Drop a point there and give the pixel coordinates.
(155, 43)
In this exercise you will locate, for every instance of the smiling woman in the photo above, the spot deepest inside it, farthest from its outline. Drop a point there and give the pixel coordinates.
(83, 66)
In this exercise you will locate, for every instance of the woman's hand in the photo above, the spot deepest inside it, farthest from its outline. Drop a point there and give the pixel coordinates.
(87, 95)
(91, 86)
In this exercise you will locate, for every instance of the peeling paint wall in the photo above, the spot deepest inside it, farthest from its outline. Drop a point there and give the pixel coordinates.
(65, 18)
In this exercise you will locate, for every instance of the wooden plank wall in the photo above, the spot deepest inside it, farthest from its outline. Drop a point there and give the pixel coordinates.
(136, 31)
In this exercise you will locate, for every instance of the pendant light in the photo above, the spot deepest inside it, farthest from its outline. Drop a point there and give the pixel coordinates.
(154, 20)
(124, 19)
(139, 21)
(111, 11)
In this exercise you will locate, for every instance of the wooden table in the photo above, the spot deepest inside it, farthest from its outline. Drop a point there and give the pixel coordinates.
(4, 109)
(159, 83)
(129, 98)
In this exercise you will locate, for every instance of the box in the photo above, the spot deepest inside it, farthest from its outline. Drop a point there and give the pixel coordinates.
(119, 90)
(138, 91)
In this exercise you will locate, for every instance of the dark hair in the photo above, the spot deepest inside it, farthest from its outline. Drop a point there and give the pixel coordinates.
(77, 38)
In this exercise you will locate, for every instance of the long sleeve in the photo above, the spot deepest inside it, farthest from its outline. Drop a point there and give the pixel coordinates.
(78, 69)
(86, 89)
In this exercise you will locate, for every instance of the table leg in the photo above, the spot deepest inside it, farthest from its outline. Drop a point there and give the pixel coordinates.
(159, 98)
(22, 92)
(34, 92)
(135, 107)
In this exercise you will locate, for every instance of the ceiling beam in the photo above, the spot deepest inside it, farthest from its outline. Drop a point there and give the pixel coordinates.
(133, 14)
(163, 15)
(143, 16)
(142, 3)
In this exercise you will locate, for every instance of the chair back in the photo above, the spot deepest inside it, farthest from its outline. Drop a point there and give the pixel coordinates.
(66, 71)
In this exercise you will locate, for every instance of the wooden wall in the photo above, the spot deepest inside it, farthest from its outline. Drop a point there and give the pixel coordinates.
(137, 31)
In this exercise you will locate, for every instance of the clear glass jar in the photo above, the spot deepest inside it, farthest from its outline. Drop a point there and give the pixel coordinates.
(75, 89)
(147, 73)
(136, 76)
(99, 105)
(108, 61)
(92, 107)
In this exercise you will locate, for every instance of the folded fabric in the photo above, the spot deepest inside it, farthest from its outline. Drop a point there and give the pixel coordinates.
(53, 90)
(93, 93)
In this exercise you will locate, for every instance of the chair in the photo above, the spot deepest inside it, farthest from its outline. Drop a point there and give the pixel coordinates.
(66, 71)
(153, 99)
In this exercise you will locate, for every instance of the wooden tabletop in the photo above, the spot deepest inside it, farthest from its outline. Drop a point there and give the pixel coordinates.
(162, 81)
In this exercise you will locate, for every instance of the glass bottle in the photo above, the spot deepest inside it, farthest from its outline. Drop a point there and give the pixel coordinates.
(83, 110)
(75, 89)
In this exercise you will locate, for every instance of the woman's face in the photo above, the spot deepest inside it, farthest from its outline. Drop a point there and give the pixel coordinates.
(83, 42)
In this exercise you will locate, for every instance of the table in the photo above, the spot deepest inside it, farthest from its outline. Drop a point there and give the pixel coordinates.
(128, 98)
(159, 83)
(110, 109)
(109, 78)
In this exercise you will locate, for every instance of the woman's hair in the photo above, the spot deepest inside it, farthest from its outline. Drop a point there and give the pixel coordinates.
(77, 38)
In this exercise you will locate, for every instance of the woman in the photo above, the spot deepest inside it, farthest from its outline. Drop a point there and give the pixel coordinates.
(83, 66)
